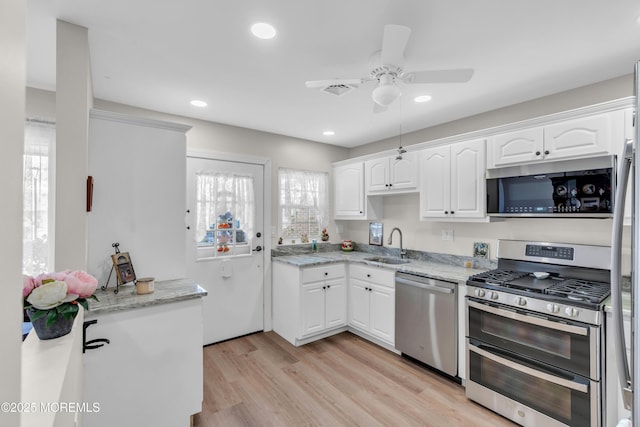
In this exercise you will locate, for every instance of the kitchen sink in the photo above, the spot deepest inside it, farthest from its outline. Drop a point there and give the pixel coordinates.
(387, 260)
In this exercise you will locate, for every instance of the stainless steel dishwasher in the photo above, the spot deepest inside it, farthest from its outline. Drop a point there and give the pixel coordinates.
(427, 321)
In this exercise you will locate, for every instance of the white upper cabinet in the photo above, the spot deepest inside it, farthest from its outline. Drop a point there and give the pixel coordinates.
(391, 174)
(452, 181)
(349, 190)
(435, 192)
(350, 201)
(522, 146)
(569, 139)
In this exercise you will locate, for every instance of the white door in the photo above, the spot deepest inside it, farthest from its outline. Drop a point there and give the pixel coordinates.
(225, 207)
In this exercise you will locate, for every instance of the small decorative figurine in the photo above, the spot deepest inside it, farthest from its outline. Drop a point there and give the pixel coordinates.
(325, 235)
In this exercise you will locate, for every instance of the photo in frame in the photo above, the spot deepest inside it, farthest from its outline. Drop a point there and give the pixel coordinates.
(480, 250)
(123, 267)
(375, 233)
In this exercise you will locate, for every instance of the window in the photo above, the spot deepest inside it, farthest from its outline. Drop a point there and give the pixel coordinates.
(38, 196)
(225, 204)
(304, 206)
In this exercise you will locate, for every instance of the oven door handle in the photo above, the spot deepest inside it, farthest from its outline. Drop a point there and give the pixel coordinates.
(583, 388)
(572, 329)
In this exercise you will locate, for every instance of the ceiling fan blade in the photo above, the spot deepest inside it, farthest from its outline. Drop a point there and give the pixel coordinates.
(393, 43)
(324, 83)
(460, 75)
(377, 108)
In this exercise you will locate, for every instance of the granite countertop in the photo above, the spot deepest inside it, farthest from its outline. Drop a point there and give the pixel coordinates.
(165, 291)
(431, 268)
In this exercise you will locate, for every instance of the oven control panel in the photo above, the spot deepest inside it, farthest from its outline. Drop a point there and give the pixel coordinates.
(557, 252)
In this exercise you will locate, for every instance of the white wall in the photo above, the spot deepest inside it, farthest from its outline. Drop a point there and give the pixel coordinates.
(403, 210)
(620, 87)
(12, 107)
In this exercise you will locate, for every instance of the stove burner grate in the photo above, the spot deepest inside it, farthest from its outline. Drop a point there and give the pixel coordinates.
(498, 276)
(581, 290)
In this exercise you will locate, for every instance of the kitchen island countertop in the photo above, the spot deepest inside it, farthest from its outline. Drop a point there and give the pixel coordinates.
(165, 291)
(433, 269)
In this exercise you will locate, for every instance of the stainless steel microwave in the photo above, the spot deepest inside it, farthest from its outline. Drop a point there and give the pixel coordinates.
(575, 188)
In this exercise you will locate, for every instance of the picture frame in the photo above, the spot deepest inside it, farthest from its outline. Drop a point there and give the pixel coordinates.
(375, 233)
(124, 267)
(480, 250)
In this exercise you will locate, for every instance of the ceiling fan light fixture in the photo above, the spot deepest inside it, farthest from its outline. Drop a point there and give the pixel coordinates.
(385, 94)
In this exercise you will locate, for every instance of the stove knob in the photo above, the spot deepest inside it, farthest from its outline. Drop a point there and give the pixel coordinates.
(479, 293)
(571, 312)
(493, 295)
(554, 308)
(521, 301)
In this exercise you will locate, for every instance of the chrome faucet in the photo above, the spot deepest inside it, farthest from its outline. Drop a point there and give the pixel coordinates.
(403, 252)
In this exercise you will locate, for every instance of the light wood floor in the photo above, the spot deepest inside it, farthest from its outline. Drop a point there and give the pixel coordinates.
(262, 380)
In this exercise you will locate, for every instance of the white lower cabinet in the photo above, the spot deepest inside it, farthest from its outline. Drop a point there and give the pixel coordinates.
(372, 301)
(151, 372)
(308, 303)
(324, 306)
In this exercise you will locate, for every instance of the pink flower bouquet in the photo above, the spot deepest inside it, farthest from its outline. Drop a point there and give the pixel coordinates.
(57, 294)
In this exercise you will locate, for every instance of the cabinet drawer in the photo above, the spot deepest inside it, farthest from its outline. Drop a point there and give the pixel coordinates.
(324, 272)
(373, 275)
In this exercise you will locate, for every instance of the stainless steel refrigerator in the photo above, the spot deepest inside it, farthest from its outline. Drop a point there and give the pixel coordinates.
(628, 369)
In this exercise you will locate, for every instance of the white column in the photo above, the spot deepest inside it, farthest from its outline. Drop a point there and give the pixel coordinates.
(74, 99)
(12, 114)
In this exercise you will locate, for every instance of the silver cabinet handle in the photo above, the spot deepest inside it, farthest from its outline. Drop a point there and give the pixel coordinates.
(530, 319)
(425, 286)
(530, 371)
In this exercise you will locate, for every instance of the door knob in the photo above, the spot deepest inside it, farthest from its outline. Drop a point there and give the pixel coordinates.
(257, 249)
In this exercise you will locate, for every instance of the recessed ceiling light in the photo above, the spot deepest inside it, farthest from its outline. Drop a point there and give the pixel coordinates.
(422, 98)
(328, 133)
(198, 103)
(262, 30)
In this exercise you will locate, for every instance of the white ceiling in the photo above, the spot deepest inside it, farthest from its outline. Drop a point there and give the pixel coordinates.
(160, 54)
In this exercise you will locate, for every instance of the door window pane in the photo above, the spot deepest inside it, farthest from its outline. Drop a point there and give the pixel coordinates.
(225, 212)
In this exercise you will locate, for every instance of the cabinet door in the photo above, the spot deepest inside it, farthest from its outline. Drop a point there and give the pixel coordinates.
(522, 146)
(468, 187)
(383, 312)
(579, 137)
(159, 344)
(435, 182)
(376, 175)
(348, 190)
(359, 304)
(335, 300)
(404, 172)
(312, 308)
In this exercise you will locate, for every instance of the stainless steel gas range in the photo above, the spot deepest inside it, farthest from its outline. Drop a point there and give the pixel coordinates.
(535, 333)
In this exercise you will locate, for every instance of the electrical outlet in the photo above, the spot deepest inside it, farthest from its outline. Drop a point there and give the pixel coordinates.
(447, 234)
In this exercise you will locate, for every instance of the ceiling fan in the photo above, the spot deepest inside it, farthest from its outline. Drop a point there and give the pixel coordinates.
(388, 72)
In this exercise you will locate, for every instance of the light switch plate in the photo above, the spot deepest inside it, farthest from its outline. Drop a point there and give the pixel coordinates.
(447, 234)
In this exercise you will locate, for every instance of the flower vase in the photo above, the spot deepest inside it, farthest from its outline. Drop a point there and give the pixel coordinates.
(61, 327)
